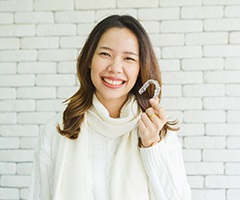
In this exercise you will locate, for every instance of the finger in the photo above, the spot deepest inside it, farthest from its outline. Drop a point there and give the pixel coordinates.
(158, 109)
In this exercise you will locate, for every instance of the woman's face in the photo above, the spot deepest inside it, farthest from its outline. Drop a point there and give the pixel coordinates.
(115, 64)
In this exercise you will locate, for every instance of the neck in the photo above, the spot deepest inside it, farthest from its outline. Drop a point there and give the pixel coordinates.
(113, 106)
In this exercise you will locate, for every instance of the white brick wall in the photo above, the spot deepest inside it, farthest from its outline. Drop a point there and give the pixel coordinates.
(198, 47)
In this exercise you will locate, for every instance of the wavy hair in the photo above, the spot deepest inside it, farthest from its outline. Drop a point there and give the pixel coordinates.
(81, 101)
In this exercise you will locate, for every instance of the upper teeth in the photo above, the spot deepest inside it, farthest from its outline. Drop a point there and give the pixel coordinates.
(113, 82)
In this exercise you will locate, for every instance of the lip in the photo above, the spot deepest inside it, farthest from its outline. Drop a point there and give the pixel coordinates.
(112, 82)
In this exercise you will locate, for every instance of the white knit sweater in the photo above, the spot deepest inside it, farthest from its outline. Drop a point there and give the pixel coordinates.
(163, 164)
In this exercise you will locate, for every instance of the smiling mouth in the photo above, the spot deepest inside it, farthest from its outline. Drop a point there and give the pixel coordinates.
(113, 82)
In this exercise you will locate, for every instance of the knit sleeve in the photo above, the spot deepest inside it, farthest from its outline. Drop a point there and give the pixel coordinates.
(42, 166)
(165, 170)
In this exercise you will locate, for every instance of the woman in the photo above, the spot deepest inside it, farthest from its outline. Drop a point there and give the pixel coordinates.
(111, 142)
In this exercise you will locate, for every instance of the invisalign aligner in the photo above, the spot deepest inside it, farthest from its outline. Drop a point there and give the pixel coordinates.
(146, 85)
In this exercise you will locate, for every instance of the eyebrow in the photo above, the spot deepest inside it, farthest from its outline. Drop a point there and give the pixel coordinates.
(126, 52)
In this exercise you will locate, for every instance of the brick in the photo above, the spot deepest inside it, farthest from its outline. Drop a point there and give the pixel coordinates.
(7, 168)
(57, 55)
(8, 118)
(206, 38)
(191, 129)
(222, 24)
(73, 42)
(17, 105)
(19, 130)
(232, 168)
(167, 39)
(9, 193)
(202, 64)
(16, 155)
(204, 142)
(204, 168)
(223, 129)
(171, 91)
(233, 142)
(222, 181)
(37, 68)
(222, 77)
(17, 80)
(222, 2)
(169, 65)
(221, 155)
(208, 194)
(36, 93)
(28, 143)
(67, 68)
(17, 30)
(34, 117)
(232, 11)
(182, 52)
(232, 63)
(203, 116)
(75, 17)
(9, 143)
(233, 116)
(50, 105)
(191, 155)
(202, 12)
(56, 29)
(84, 29)
(9, 43)
(221, 51)
(15, 181)
(102, 13)
(182, 104)
(66, 92)
(181, 26)
(39, 43)
(18, 55)
(233, 194)
(136, 4)
(221, 103)
(15, 5)
(6, 18)
(8, 68)
(232, 90)
(202, 90)
(195, 181)
(24, 168)
(33, 17)
(104, 4)
(175, 115)
(234, 38)
(158, 14)
(53, 6)
(182, 77)
(56, 80)
(24, 193)
(175, 3)
(7, 93)
(151, 26)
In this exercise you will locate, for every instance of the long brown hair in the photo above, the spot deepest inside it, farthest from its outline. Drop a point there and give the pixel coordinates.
(81, 101)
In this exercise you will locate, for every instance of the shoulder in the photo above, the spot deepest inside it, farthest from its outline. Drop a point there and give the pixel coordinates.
(49, 129)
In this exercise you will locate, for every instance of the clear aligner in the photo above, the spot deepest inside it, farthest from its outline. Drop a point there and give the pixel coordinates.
(146, 85)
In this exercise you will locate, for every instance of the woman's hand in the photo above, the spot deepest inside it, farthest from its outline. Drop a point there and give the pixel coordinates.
(151, 123)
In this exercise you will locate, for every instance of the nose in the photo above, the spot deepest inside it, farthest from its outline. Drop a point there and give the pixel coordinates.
(116, 66)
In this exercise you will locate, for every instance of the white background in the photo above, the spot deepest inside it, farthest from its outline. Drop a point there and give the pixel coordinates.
(197, 43)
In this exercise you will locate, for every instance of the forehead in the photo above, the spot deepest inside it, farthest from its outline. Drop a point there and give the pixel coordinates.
(120, 37)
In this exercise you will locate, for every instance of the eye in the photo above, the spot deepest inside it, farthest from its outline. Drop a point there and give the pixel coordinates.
(105, 54)
(130, 58)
